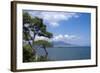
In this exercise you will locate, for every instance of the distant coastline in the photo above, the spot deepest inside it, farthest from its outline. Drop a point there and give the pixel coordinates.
(69, 47)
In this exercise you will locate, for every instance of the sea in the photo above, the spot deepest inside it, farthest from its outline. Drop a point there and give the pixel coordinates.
(66, 53)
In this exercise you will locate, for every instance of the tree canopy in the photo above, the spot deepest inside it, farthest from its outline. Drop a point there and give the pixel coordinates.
(43, 43)
(35, 25)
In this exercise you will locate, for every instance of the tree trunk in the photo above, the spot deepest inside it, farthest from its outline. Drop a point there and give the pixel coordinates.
(45, 51)
(34, 37)
(33, 42)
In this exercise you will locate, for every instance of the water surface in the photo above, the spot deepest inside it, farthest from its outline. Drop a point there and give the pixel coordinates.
(67, 53)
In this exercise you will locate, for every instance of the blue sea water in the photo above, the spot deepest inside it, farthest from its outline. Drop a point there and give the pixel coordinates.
(67, 53)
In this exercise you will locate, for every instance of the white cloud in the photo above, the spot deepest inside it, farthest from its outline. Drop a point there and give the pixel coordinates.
(65, 37)
(54, 24)
(56, 38)
(41, 38)
(53, 18)
(70, 36)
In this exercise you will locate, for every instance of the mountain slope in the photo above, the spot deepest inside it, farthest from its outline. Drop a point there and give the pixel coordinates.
(61, 44)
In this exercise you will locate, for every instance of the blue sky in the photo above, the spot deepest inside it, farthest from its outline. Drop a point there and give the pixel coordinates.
(69, 27)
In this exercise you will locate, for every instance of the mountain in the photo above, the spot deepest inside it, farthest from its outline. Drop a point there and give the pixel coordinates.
(61, 44)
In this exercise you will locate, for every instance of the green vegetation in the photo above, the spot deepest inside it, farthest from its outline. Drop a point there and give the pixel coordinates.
(27, 54)
(38, 28)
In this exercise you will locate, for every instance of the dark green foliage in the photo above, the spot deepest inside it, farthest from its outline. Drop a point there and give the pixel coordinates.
(43, 42)
(27, 54)
(43, 58)
(26, 36)
(26, 18)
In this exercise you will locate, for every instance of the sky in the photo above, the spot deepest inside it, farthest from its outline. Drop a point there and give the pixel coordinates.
(69, 27)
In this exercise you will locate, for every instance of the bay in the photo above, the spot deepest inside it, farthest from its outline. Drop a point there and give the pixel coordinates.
(67, 53)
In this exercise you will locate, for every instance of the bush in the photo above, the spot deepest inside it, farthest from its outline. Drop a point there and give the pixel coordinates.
(27, 54)
(29, 57)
